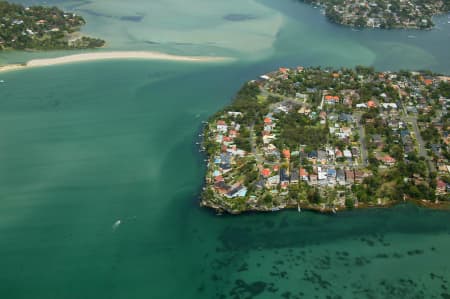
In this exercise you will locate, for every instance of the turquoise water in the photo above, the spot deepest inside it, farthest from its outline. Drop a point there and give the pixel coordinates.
(85, 145)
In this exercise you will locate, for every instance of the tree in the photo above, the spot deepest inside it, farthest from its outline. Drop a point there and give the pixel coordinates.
(349, 202)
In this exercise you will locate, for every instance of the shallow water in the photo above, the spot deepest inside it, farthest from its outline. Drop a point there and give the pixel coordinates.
(85, 145)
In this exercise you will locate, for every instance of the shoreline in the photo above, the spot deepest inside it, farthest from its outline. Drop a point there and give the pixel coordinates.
(119, 55)
(220, 210)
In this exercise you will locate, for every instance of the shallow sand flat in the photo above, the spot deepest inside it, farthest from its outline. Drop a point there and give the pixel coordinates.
(109, 56)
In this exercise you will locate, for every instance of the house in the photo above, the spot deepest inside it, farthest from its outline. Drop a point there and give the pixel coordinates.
(218, 179)
(273, 181)
(441, 187)
(284, 175)
(345, 117)
(225, 161)
(268, 124)
(361, 106)
(347, 154)
(322, 156)
(312, 156)
(387, 160)
(350, 176)
(221, 126)
(376, 139)
(221, 187)
(359, 176)
(371, 104)
(265, 172)
(329, 99)
(331, 173)
(346, 131)
(321, 174)
(389, 106)
(313, 179)
(239, 191)
(304, 174)
(340, 177)
(294, 176)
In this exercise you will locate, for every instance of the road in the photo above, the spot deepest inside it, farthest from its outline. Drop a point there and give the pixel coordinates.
(362, 140)
(420, 143)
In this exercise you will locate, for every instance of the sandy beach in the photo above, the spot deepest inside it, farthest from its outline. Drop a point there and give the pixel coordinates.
(109, 56)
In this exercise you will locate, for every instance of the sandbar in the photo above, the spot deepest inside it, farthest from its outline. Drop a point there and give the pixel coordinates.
(94, 56)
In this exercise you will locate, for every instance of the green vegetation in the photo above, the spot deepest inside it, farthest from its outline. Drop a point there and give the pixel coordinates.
(41, 28)
(327, 139)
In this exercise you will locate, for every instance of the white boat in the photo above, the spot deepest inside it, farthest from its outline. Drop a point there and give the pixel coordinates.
(116, 224)
(333, 210)
(298, 208)
(2, 81)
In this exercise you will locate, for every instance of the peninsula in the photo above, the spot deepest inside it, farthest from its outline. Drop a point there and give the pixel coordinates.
(41, 28)
(117, 55)
(413, 14)
(330, 139)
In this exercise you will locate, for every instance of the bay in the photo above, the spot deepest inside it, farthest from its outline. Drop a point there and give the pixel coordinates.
(83, 146)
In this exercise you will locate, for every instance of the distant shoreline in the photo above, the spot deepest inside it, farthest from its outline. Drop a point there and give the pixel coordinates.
(95, 56)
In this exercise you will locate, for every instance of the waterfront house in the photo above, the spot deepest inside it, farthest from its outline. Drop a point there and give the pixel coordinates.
(441, 187)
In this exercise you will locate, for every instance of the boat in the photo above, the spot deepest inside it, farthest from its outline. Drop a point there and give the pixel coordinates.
(333, 210)
(2, 81)
(116, 224)
(275, 209)
(298, 208)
